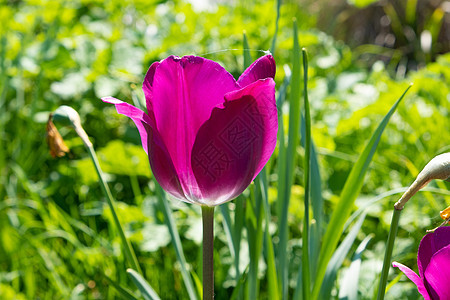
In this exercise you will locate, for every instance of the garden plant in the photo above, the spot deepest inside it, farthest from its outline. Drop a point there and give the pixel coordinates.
(265, 157)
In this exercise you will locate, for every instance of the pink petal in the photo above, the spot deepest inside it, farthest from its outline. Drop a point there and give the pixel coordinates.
(138, 116)
(414, 278)
(264, 112)
(430, 244)
(147, 85)
(437, 275)
(233, 146)
(185, 90)
(263, 67)
(162, 166)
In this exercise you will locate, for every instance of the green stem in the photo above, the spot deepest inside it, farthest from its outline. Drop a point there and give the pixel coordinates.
(388, 254)
(208, 252)
(129, 252)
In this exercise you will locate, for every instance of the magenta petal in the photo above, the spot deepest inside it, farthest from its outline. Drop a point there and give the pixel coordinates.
(430, 244)
(138, 116)
(185, 90)
(414, 278)
(263, 67)
(147, 85)
(233, 146)
(437, 275)
(264, 112)
(162, 166)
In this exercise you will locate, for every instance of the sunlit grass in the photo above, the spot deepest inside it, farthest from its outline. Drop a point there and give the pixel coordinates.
(57, 235)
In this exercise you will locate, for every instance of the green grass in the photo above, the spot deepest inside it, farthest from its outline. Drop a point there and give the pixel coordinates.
(339, 146)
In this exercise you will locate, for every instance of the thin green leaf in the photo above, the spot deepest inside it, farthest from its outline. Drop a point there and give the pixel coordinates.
(247, 56)
(272, 280)
(228, 228)
(306, 270)
(124, 292)
(240, 284)
(316, 203)
(239, 218)
(349, 193)
(287, 161)
(348, 289)
(143, 286)
(274, 39)
(254, 216)
(168, 219)
(338, 257)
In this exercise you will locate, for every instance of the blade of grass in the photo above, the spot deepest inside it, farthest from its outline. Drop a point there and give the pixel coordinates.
(287, 161)
(239, 218)
(253, 218)
(124, 292)
(348, 290)
(143, 286)
(349, 193)
(316, 203)
(228, 227)
(307, 182)
(338, 258)
(170, 222)
(272, 283)
(240, 284)
(247, 55)
(317, 209)
(274, 39)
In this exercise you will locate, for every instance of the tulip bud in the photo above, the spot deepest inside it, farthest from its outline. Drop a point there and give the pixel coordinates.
(437, 168)
(66, 115)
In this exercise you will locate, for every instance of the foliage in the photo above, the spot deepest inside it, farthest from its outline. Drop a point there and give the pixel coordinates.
(57, 235)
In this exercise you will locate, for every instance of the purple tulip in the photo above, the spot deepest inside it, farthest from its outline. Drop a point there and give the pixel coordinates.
(433, 261)
(207, 135)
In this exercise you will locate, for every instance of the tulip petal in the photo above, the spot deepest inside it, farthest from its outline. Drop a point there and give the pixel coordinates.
(234, 144)
(263, 67)
(437, 275)
(162, 167)
(153, 145)
(147, 85)
(138, 116)
(185, 91)
(430, 244)
(264, 113)
(414, 278)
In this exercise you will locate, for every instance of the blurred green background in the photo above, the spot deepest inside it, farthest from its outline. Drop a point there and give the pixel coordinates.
(57, 238)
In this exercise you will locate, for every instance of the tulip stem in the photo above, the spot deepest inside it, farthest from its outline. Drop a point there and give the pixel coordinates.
(388, 253)
(208, 252)
(128, 249)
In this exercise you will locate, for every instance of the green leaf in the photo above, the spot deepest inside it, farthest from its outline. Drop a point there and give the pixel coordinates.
(247, 56)
(143, 286)
(338, 258)
(254, 215)
(170, 222)
(306, 270)
(240, 284)
(349, 284)
(286, 164)
(349, 193)
(124, 292)
(272, 280)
